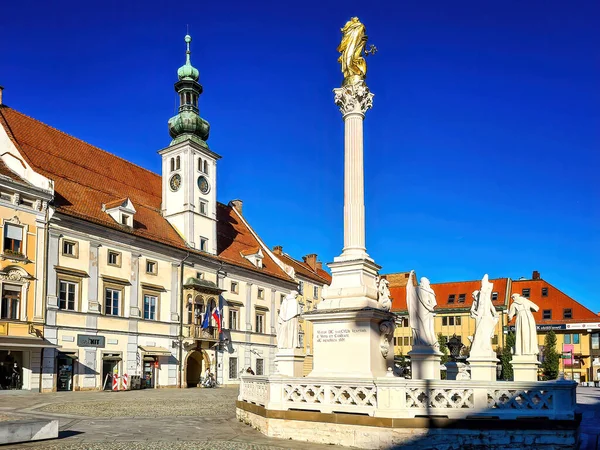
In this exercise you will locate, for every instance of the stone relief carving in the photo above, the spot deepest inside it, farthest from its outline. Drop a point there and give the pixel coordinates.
(354, 98)
(387, 333)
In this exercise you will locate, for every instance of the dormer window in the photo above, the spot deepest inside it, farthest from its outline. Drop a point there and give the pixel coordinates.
(121, 211)
(203, 244)
(255, 256)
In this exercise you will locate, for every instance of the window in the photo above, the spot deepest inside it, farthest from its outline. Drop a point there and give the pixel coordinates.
(13, 239)
(494, 296)
(461, 298)
(151, 267)
(150, 307)
(67, 291)
(547, 314)
(200, 164)
(6, 196)
(259, 263)
(281, 298)
(451, 298)
(444, 321)
(234, 287)
(576, 338)
(125, 219)
(203, 244)
(260, 366)
(177, 163)
(233, 368)
(111, 302)
(260, 323)
(28, 202)
(544, 292)
(315, 291)
(233, 319)
(301, 287)
(567, 313)
(406, 340)
(451, 320)
(203, 208)
(404, 321)
(172, 164)
(206, 167)
(11, 298)
(596, 341)
(114, 258)
(199, 276)
(525, 292)
(260, 294)
(458, 320)
(69, 248)
(567, 338)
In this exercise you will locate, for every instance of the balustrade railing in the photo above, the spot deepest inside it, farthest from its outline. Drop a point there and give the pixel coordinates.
(197, 332)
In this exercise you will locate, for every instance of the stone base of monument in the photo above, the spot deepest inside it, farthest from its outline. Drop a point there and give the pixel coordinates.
(289, 362)
(352, 342)
(456, 370)
(484, 368)
(382, 412)
(525, 367)
(425, 363)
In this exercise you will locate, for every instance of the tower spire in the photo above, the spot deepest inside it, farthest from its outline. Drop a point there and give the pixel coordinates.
(188, 124)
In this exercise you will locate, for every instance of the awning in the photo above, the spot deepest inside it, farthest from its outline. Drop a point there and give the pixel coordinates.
(155, 351)
(70, 353)
(25, 342)
(111, 357)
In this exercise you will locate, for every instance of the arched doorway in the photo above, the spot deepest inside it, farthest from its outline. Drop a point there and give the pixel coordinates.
(196, 363)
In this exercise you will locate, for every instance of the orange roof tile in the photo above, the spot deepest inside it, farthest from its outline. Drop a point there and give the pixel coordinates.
(85, 177)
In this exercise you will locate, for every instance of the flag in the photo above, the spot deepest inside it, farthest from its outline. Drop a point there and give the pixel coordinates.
(217, 316)
(206, 320)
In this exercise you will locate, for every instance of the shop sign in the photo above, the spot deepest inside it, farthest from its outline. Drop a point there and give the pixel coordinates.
(85, 340)
(542, 327)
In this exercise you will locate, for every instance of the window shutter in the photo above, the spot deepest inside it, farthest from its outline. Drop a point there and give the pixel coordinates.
(14, 232)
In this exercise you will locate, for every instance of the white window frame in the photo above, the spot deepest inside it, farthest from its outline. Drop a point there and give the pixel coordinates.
(155, 265)
(68, 284)
(233, 314)
(152, 314)
(119, 300)
(259, 329)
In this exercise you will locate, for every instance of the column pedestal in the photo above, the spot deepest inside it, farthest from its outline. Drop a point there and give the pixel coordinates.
(525, 367)
(425, 363)
(351, 342)
(483, 369)
(289, 362)
(456, 371)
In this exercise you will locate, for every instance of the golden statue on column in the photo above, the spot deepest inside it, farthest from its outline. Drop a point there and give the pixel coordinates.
(352, 47)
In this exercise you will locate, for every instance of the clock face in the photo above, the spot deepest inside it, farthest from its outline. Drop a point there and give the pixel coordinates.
(175, 182)
(203, 185)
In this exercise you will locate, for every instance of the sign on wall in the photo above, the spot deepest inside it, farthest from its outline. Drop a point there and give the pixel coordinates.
(85, 340)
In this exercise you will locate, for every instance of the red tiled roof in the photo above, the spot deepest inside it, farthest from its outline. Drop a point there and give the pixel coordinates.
(85, 177)
(444, 290)
(303, 269)
(556, 301)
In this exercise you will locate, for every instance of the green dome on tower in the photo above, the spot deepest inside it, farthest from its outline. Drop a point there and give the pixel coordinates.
(187, 71)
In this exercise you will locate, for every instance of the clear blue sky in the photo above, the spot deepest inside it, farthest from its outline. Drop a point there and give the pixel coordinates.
(481, 152)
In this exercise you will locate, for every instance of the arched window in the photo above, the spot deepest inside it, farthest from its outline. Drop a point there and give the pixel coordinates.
(187, 98)
(178, 163)
(198, 310)
(172, 164)
(190, 307)
(206, 167)
(200, 164)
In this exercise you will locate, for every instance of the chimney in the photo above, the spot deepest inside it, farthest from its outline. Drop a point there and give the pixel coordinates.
(319, 265)
(1, 89)
(311, 260)
(536, 275)
(278, 250)
(237, 205)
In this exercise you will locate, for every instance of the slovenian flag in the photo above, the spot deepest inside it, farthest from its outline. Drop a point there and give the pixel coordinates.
(216, 314)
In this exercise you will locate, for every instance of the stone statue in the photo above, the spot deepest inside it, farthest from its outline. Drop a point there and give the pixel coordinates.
(351, 48)
(525, 333)
(287, 322)
(486, 318)
(421, 303)
(383, 293)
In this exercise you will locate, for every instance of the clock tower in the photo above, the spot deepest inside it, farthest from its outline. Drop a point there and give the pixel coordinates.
(189, 167)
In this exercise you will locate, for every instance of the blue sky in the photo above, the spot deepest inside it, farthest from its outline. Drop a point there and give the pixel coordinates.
(481, 151)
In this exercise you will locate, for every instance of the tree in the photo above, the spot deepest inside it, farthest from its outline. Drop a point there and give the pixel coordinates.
(506, 357)
(443, 341)
(551, 362)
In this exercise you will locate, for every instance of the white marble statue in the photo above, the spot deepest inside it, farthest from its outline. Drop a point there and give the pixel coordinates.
(420, 301)
(383, 293)
(526, 336)
(287, 322)
(486, 318)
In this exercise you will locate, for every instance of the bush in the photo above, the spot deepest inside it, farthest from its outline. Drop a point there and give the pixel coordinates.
(506, 357)
(551, 362)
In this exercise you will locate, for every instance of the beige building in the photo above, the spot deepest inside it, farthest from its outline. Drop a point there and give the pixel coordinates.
(23, 209)
(135, 261)
(310, 277)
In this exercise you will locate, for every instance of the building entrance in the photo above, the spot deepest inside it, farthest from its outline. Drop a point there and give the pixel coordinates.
(64, 365)
(109, 370)
(11, 369)
(197, 362)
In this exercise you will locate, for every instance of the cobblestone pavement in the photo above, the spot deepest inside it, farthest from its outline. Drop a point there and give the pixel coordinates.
(588, 403)
(148, 419)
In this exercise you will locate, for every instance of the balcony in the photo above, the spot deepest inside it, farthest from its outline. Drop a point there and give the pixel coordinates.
(203, 334)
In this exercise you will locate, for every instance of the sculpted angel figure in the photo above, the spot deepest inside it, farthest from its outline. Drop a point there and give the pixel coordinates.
(353, 43)
(525, 333)
(287, 322)
(486, 318)
(383, 293)
(421, 303)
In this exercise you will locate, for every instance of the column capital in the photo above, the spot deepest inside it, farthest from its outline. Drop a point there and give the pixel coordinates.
(354, 99)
